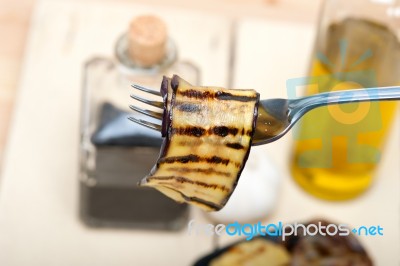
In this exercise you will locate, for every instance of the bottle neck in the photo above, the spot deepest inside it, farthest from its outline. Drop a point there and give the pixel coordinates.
(379, 11)
(128, 65)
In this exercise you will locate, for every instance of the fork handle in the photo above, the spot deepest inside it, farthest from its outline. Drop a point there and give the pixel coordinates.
(305, 104)
(362, 95)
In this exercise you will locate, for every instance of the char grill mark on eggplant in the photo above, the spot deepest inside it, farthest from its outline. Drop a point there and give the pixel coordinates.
(206, 95)
(207, 138)
(191, 158)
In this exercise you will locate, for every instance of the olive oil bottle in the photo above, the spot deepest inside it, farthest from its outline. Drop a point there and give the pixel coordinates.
(337, 148)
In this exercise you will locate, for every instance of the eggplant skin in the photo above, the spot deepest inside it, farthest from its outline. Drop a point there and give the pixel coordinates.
(207, 138)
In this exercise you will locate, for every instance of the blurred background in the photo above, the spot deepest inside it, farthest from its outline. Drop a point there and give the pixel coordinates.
(16, 21)
(69, 160)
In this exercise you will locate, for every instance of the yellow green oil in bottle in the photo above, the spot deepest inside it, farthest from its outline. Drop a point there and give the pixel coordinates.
(337, 148)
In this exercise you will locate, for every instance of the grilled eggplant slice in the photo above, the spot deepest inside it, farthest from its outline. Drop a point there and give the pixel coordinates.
(257, 252)
(207, 138)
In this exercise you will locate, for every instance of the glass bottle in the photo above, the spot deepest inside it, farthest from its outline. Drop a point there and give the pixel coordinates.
(116, 153)
(337, 148)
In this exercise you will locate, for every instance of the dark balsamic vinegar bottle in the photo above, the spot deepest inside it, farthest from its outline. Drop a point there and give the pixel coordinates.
(116, 153)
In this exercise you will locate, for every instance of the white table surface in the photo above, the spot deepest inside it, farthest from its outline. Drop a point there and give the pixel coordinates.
(39, 224)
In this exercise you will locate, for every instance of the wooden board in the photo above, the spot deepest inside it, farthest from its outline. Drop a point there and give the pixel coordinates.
(39, 222)
(284, 54)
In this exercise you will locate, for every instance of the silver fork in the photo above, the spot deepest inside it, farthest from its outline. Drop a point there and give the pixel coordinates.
(277, 116)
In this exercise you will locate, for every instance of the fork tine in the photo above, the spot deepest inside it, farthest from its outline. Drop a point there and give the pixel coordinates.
(149, 102)
(141, 88)
(146, 123)
(153, 114)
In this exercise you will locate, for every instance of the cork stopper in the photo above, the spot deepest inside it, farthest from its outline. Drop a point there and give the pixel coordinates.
(147, 39)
